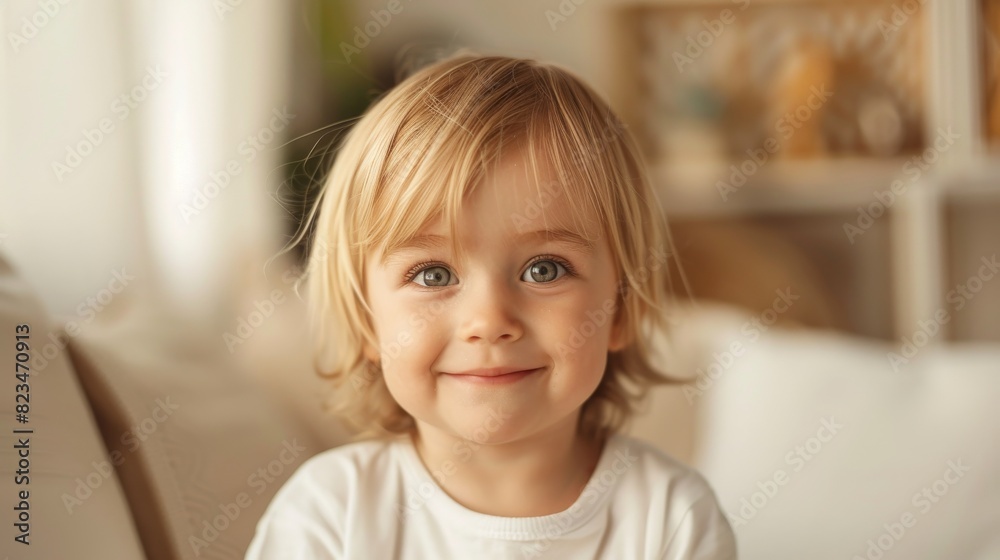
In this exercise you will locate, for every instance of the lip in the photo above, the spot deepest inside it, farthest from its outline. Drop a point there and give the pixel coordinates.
(493, 372)
(493, 376)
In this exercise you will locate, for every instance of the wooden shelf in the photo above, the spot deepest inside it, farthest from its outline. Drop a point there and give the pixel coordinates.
(939, 227)
(777, 187)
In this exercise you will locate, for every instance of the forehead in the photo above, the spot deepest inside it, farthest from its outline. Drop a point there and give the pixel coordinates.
(521, 191)
(518, 200)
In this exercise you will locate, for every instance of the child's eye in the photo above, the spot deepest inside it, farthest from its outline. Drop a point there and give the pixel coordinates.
(542, 270)
(436, 276)
(546, 270)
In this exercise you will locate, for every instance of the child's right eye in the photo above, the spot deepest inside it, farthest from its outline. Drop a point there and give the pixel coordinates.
(435, 275)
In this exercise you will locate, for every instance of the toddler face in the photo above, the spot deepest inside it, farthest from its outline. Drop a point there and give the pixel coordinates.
(520, 301)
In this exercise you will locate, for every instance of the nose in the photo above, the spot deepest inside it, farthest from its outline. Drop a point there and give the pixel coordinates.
(490, 313)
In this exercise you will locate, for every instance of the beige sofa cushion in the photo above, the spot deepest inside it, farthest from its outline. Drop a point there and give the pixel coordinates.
(818, 447)
(76, 505)
(211, 448)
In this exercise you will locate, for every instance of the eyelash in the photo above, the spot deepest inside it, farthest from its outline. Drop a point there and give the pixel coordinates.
(408, 278)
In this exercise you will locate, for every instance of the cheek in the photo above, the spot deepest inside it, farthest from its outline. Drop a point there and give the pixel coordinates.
(578, 337)
(407, 353)
(584, 320)
(409, 335)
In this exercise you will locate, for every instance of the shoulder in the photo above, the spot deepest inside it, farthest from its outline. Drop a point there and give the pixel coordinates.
(334, 474)
(348, 459)
(678, 502)
(659, 474)
(316, 507)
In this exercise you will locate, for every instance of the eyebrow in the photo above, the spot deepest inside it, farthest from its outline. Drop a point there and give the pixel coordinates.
(558, 235)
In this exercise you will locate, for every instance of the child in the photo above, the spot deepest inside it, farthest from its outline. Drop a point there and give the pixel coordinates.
(493, 242)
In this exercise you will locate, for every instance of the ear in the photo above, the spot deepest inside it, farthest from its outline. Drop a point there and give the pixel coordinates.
(618, 339)
(371, 353)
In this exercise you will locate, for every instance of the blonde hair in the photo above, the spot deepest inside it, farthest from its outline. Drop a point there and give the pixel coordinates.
(416, 153)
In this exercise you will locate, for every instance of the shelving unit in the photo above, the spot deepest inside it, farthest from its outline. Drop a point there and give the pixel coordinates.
(778, 187)
(934, 233)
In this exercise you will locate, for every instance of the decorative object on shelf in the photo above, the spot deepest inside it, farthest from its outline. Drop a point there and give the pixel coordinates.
(822, 79)
(881, 124)
(795, 103)
(694, 135)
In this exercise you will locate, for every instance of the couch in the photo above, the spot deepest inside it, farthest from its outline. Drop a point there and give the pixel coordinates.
(147, 441)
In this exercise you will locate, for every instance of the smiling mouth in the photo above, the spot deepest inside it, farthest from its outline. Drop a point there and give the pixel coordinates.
(493, 379)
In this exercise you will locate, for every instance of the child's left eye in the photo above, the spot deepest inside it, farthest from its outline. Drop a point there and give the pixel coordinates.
(544, 271)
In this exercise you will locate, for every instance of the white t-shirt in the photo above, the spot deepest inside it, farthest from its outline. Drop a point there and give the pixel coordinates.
(377, 500)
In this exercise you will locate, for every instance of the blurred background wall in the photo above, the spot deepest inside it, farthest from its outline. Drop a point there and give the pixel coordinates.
(68, 231)
(139, 139)
(221, 116)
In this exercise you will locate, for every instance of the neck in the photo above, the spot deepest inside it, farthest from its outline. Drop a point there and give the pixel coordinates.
(538, 475)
